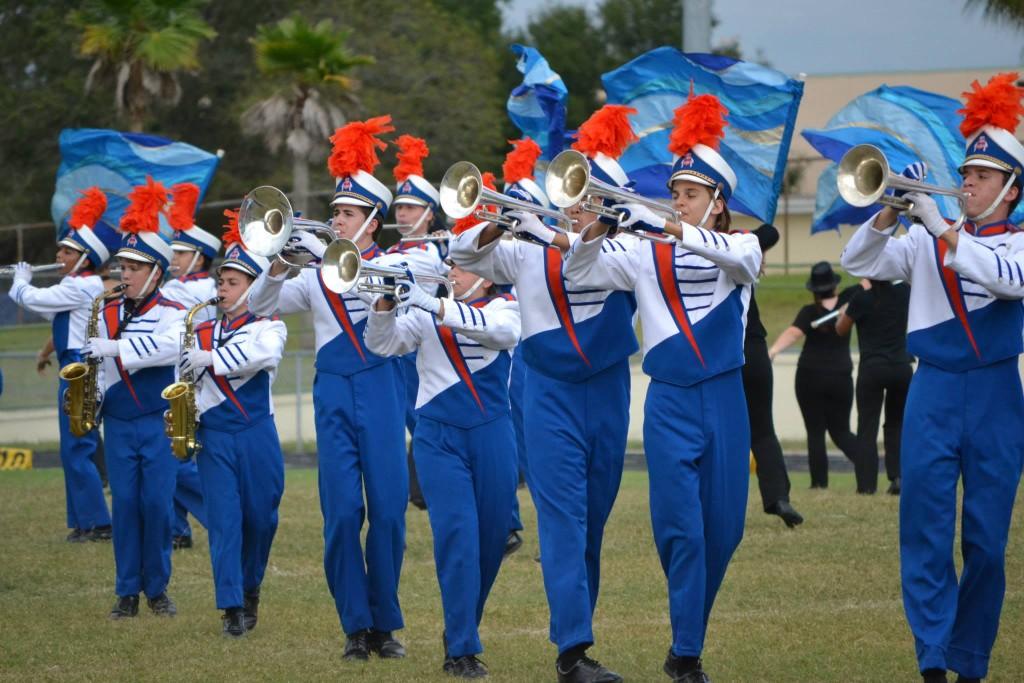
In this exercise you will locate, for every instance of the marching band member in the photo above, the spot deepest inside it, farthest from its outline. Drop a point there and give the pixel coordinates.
(241, 466)
(576, 345)
(518, 175)
(693, 296)
(416, 204)
(358, 397)
(138, 343)
(965, 410)
(81, 253)
(194, 251)
(464, 443)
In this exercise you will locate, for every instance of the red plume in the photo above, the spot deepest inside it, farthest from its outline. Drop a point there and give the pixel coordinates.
(146, 203)
(520, 161)
(354, 146)
(231, 233)
(607, 131)
(411, 153)
(701, 120)
(88, 209)
(997, 103)
(184, 198)
(471, 221)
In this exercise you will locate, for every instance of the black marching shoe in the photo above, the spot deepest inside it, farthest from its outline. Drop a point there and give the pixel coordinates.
(357, 646)
(127, 606)
(894, 490)
(99, 533)
(787, 512)
(934, 676)
(233, 622)
(251, 608)
(76, 536)
(181, 542)
(467, 666)
(684, 669)
(513, 543)
(964, 679)
(586, 670)
(162, 605)
(384, 645)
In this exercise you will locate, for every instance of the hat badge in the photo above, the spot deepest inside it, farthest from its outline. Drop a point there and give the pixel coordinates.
(687, 160)
(131, 241)
(407, 187)
(346, 185)
(234, 252)
(981, 144)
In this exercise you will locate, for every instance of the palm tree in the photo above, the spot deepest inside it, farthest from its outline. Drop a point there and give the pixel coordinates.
(141, 46)
(1000, 10)
(307, 65)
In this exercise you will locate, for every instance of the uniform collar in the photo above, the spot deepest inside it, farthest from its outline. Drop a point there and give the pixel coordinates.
(372, 251)
(990, 229)
(234, 324)
(198, 275)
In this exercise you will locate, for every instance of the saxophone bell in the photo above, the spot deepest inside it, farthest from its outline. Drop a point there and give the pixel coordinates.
(181, 418)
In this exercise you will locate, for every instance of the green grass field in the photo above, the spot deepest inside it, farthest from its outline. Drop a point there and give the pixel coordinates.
(821, 603)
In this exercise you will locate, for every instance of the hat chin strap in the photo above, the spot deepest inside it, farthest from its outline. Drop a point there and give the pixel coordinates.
(711, 205)
(149, 280)
(79, 262)
(472, 290)
(243, 299)
(999, 198)
(362, 228)
(192, 263)
(418, 223)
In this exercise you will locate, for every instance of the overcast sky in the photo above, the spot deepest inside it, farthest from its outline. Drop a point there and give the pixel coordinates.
(837, 36)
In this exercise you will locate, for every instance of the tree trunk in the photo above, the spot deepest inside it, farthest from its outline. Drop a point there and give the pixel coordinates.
(300, 185)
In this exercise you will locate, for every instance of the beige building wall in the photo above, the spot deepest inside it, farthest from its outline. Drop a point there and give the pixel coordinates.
(824, 95)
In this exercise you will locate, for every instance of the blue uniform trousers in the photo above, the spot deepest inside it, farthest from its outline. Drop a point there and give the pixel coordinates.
(361, 444)
(516, 385)
(575, 444)
(83, 488)
(697, 443)
(242, 477)
(469, 482)
(141, 470)
(188, 497)
(957, 425)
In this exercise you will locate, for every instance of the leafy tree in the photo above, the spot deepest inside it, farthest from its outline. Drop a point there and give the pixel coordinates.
(309, 66)
(141, 46)
(1011, 11)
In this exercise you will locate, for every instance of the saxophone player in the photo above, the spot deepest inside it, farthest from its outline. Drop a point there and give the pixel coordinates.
(241, 468)
(81, 253)
(138, 342)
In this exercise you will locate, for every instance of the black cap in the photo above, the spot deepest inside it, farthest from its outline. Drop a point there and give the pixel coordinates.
(823, 278)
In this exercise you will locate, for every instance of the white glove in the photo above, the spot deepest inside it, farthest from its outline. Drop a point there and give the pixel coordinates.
(927, 212)
(303, 241)
(23, 273)
(420, 299)
(530, 227)
(194, 359)
(100, 348)
(639, 217)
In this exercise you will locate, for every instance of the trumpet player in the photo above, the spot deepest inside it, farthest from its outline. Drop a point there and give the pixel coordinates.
(416, 205)
(692, 296)
(964, 415)
(358, 398)
(138, 345)
(464, 443)
(241, 467)
(194, 250)
(576, 344)
(83, 251)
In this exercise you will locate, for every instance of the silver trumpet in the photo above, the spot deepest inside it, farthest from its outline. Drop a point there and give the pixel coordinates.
(438, 236)
(8, 271)
(864, 176)
(344, 268)
(266, 222)
(463, 193)
(569, 182)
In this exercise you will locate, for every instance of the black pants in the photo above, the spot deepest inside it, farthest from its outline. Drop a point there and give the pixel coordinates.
(875, 384)
(772, 478)
(825, 399)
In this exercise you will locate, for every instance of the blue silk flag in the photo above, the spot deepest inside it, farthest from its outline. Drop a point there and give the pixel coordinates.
(116, 162)
(762, 106)
(537, 106)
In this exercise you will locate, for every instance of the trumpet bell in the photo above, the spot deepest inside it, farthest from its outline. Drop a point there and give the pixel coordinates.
(340, 265)
(567, 179)
(264, 221)
(862, 176)
(461, 189)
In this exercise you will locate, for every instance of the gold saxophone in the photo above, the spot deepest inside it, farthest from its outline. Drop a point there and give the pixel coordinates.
(81, 398)
(182, 417)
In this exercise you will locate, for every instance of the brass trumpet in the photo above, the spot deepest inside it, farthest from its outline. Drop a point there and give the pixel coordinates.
(569, 182)
(463, 193)
(864, 176)
(266, 221)
(344, 269)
